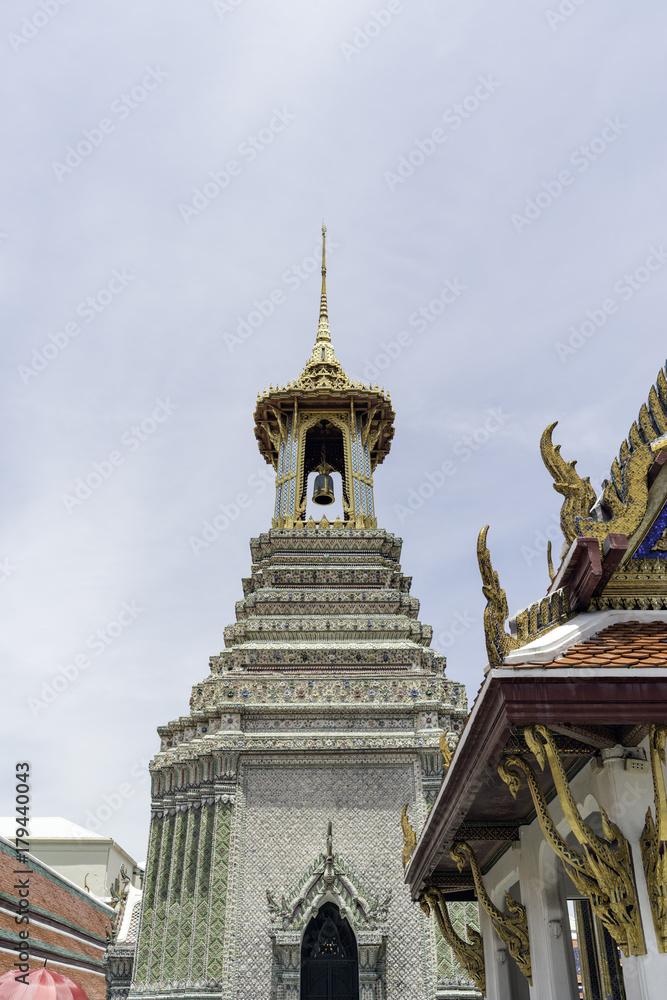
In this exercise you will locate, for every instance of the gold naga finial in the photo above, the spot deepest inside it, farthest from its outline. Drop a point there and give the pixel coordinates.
(409, 836)
(625, 495)
(578, 493)
(323, 325)
(448, 742)
(498, 642)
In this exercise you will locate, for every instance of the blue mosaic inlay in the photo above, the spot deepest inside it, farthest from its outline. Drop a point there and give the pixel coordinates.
(659, 526)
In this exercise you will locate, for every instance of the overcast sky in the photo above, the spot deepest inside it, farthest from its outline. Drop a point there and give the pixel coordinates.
(492, 176)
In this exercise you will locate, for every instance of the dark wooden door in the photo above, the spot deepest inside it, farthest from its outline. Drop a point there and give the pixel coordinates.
(332, 979)
(329, 966)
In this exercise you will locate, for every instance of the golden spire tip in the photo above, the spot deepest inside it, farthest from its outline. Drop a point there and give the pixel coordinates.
(323, 325)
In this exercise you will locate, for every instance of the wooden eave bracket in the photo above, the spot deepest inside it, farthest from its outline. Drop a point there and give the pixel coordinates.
(652, 474)
(586, 571)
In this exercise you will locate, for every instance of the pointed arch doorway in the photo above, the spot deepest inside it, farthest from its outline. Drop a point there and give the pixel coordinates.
(329, 958)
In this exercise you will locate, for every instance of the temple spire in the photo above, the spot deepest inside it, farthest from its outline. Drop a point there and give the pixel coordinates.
(323, 325)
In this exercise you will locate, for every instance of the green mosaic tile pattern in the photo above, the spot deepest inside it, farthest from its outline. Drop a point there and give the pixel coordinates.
(450, 972)
(148, 931)
(149, 900)
(187, 894)
(174, 901)
(200, 946)
(162, 891)
(219, 889)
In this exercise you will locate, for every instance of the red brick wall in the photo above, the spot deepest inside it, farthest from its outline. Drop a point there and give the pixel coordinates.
(61, 916)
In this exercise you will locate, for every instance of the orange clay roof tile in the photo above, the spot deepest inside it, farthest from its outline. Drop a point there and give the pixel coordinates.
(626, 644)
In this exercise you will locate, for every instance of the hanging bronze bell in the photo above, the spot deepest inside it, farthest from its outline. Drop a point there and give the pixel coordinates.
(323, 492)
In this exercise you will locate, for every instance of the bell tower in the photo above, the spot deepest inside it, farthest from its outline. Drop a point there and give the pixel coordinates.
(324, 422)
(285, 802)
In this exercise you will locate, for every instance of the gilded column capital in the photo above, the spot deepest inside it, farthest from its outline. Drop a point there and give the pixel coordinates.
(602, 871)
(512, 927)
(653, 840)
(469, 953)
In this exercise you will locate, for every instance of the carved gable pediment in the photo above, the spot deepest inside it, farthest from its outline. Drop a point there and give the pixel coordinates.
(329, 878)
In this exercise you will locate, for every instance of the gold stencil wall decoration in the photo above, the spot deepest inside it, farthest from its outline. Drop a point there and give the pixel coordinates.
(601, 871)
(653, 840)
(512, 927)
(469, 953)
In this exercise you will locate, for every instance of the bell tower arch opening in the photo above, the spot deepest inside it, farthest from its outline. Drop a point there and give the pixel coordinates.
(324, 454)
(329, 957)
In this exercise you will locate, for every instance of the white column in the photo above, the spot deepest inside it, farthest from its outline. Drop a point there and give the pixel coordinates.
(551, 955)
(496, 961)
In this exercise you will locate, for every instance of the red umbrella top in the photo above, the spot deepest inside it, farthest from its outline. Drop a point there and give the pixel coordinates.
(42, 985)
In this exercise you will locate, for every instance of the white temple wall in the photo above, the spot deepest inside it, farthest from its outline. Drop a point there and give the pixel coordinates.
(282, 812)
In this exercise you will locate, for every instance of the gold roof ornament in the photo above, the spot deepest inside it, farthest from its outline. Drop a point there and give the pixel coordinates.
(579, 495)
(498, 642)
(409, 836)
(625, 495)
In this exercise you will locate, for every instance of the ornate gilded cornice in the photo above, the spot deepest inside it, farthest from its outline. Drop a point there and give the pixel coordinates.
(512, 927)
(626, 492)
(469, 953)
(602, 872)
(638, 584)
(653, 840)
